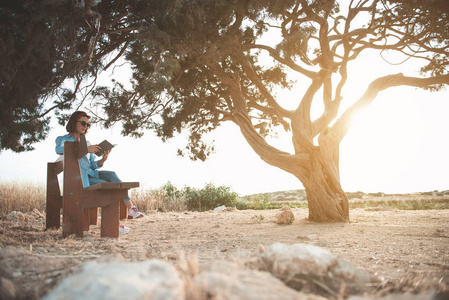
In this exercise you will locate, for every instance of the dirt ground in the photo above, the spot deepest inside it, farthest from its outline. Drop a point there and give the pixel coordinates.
(406, 250)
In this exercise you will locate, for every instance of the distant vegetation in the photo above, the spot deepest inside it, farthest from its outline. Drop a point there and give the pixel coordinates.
(22, 196)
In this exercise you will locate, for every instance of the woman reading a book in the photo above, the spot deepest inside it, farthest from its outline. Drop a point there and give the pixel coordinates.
(77, 125)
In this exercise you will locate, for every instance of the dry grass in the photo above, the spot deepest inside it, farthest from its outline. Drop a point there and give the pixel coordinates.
(21, 196)
(157, 200)
(26, 196)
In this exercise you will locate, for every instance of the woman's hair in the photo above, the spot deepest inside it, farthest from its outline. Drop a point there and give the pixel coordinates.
(71, 124)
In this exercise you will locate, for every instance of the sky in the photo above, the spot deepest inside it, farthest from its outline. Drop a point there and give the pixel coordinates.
(399, 144)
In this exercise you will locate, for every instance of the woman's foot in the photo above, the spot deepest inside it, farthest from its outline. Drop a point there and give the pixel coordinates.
(134, 213)
(123, 229)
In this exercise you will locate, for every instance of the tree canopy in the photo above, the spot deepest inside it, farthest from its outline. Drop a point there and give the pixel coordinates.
(179, 50)
(198, 63)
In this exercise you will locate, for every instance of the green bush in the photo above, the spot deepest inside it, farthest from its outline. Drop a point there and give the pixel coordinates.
(208, 197)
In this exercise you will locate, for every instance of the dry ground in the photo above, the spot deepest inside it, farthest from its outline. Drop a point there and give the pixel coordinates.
(407, 250)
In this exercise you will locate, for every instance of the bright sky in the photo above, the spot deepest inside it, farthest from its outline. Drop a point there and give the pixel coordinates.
(399, 144)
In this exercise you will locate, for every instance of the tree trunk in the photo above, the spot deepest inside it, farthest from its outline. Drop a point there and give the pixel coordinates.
(317, 169)
(326, 199)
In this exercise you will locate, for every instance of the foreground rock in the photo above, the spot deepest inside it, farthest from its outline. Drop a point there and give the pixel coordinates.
(225, 280)
(311, 269)
(277, 272)
(152, 279)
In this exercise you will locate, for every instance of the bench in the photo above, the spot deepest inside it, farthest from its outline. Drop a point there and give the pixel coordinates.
(80, 205)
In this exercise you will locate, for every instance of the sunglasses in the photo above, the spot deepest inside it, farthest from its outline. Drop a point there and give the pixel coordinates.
(84, 124)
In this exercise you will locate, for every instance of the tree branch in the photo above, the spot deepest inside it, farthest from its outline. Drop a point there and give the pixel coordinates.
(341, 126)
(288, 62)
(281, 112)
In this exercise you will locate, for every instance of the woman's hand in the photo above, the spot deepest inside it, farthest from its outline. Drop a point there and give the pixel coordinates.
(106, 154)
(93, 148)
(104, 158)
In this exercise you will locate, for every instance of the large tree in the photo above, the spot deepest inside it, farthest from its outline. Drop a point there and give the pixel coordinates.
(199, 63)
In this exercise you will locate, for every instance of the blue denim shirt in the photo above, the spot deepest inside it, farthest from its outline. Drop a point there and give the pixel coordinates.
(88, 165)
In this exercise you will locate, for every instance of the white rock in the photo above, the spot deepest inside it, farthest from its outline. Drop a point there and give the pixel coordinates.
(224, 280)
(220, 208)
(151, 279)
(308, 264)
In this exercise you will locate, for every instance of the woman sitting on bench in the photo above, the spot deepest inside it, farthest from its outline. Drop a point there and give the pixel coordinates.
(78, 124)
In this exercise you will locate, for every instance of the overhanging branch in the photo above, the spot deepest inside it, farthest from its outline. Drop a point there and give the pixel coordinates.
(341, 127)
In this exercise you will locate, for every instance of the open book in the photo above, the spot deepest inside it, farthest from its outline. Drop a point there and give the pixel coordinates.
(105, 146)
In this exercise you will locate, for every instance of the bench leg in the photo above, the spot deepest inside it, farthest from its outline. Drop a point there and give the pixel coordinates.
(110, 220)
(94, 216)
(123, 211)
(86, 219)
(72, 222)
(53, 212)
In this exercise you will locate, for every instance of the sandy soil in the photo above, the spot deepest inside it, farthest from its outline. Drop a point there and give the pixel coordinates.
(406, 250)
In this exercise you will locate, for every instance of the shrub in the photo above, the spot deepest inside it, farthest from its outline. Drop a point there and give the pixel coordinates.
(208, 197)
(166, 198)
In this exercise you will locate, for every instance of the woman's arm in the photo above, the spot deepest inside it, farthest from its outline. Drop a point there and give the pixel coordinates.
(60, 140)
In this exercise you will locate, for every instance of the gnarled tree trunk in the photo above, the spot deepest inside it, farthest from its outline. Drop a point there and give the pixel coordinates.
(318, 171)
(325, 197)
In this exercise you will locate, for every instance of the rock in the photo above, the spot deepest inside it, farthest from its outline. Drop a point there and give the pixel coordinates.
(225, 280)
(20, 217)
(7, 289)
(310, 269)
(220, 208)
(286, 208)
(151, 279)
(37, 214)
(286, 216)
(15, 216)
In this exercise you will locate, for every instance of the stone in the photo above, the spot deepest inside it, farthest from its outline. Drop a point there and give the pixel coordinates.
(227, 281)
(310, 269)
(151, 279)
(15, 216)
(285, 216)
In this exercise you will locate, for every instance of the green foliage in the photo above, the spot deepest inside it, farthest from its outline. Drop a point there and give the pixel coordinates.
(243, 204)
(169, 197)
(209, 197)
(171, 191)
(24, 197)
(185, 56)
(257, 201)
(53, 50)
(427, 20)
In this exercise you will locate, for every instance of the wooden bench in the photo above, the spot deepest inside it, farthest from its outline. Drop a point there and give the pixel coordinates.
(80, 205)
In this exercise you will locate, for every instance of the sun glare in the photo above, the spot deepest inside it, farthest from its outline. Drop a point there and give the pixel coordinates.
(383, 142)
